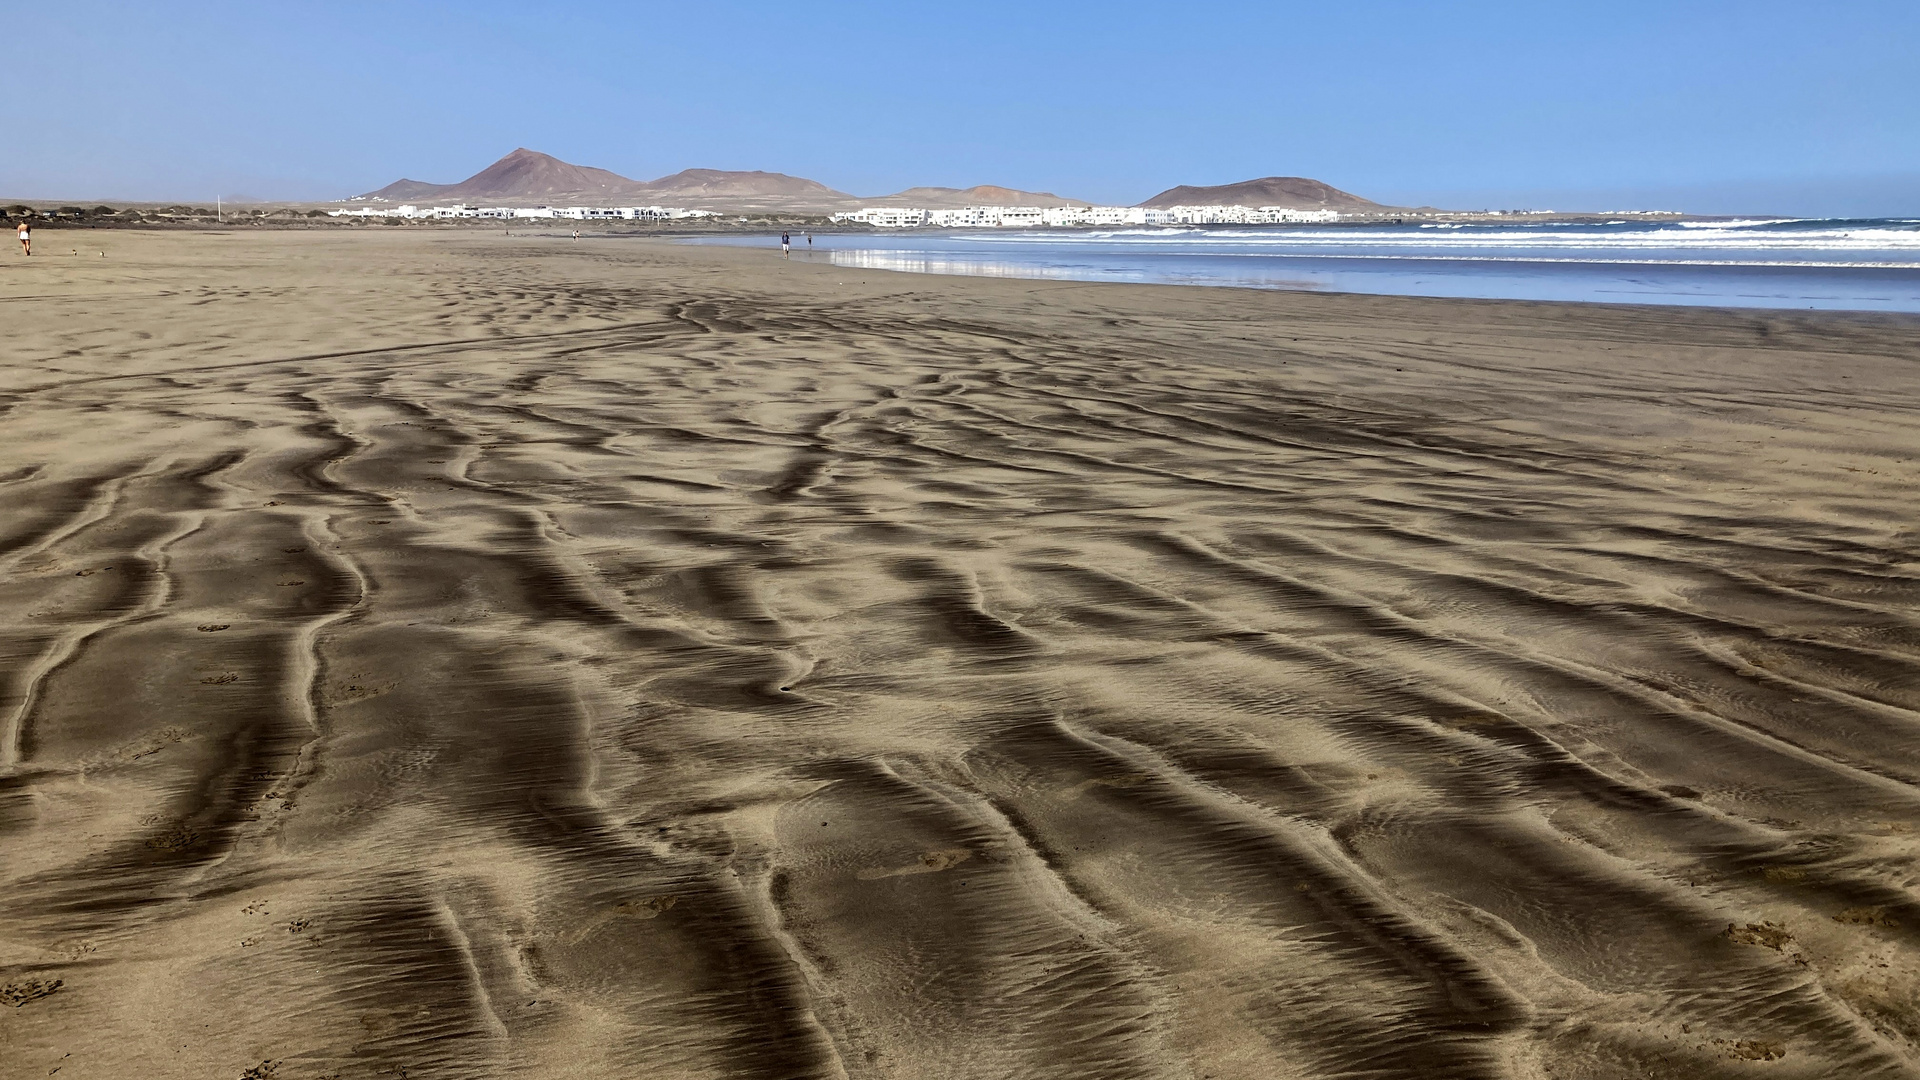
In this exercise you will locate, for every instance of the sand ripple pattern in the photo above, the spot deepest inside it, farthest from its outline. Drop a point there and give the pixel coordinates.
(524, 660)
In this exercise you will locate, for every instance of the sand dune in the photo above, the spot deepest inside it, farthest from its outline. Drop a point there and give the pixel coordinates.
(470, 656)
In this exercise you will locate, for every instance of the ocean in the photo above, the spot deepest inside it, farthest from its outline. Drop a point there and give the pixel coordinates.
(1865, 265)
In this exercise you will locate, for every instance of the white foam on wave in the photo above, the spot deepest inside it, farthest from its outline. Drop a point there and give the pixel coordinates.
(1891, 240)
(1085, 234)
(896, 258)
(1743, 223)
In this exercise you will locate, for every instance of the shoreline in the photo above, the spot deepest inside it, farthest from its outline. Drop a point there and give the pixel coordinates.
(1690, 267)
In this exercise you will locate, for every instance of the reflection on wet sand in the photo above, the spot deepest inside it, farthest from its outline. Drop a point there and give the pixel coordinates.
(964, 265)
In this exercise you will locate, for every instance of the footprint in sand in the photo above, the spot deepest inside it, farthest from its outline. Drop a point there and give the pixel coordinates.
(1123, 783)
(156, 743)
(355, 691)
(1767, 935)
(175, 837)
(214, 627)
(1753, 1049)
(1867, 916)
(221, 680)
(21, 991)
(650, 908)
(930, 863)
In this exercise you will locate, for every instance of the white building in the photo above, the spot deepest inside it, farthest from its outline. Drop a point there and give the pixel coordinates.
(989, 217)
(575, 213)
(1031, 217)
(1095, 215)
(967, 217)
(885, 217)
(1243, 215)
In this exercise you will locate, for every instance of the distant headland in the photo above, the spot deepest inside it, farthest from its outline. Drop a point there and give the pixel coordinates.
(527, 177)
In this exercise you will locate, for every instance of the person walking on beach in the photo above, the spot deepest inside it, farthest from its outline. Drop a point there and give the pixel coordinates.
(26, 238)
(786, 246)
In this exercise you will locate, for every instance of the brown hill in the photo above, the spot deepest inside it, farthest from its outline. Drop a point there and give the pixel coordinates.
(521, 175)
(716, 189)
(1294, 192)
(716, 183)
(527, 176)
(404, 190)
(946, 198)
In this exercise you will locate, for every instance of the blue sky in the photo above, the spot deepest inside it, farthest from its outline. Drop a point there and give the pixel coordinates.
(1721, 107)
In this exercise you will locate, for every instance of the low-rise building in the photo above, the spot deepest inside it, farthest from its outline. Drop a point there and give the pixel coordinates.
(885, 217)
(1246, 215)
(575, 213)
(1030, 217)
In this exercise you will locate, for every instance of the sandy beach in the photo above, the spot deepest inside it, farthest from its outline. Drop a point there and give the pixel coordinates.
(446, 654)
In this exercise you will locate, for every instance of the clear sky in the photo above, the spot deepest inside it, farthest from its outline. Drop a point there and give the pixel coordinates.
(1755, 106)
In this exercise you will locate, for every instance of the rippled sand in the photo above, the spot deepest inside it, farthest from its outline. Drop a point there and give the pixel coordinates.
(461, 656)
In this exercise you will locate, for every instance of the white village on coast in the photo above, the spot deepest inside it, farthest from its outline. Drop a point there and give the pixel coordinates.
(576, 213)
(528, 185)
(1024, 217)
(888, 217)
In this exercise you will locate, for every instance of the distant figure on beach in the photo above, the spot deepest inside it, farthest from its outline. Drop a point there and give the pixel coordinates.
(809, 237)
(26, 238)
(576, 234)
(786, 245)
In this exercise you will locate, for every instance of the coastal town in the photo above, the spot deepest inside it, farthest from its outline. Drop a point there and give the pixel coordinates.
(887, 217)
(1027, 217)
(575, 213)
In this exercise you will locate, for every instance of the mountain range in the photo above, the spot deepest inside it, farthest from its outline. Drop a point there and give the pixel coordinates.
(528, 176)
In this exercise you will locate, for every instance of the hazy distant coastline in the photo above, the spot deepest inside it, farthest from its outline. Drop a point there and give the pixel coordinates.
(728, 200)
(526, 177)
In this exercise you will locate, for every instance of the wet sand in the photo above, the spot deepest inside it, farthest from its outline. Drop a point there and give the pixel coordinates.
(452, 655)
